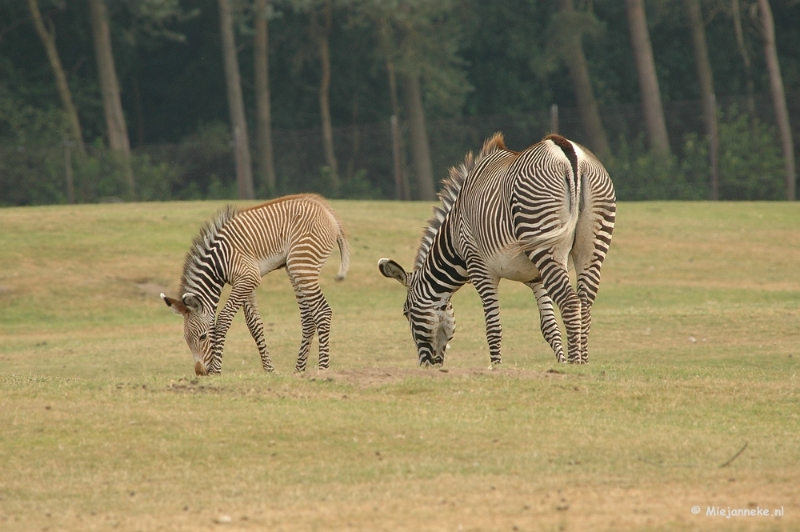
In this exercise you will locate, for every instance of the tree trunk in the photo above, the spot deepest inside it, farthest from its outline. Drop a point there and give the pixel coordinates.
(648, 81)
(778, 97)
(138, 109)
(109, 87)
(579, 72)
(737, 26)
(706, 78)
(420, 148)
(49, 41)
(351, 163)
(244, 171)
(68, 173)
(266, 163)
(402, 190)
(702, 64)
(324, 94)
(713, 153)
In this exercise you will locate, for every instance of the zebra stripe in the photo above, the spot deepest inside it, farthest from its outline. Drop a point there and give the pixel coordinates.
(239, 247)
(519, 216)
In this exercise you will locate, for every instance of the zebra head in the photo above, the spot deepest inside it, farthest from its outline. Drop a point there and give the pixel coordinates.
(430, 315)
(198, 329)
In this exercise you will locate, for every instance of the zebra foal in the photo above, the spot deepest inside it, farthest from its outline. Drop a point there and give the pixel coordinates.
(523, 216)
(239, 247)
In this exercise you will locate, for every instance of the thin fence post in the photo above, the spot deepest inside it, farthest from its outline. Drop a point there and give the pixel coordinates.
(398, 165)
(554, 118)
(713, 148)
(68, 171)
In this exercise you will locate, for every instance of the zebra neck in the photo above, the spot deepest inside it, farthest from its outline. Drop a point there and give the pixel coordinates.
(443, 271)
(204, 275)
(206, 289)
(211, 296)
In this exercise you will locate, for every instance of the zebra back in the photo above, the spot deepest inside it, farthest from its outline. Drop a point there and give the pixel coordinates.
(236, 238)
(513, 215)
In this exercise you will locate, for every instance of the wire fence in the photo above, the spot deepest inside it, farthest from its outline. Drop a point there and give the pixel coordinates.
(751, 166)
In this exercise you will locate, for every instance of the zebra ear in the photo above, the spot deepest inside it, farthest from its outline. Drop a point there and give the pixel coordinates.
(390, 268)
(193, 303)
(177, 306)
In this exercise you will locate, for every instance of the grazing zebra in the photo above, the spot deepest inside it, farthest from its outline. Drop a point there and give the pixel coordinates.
(241, 246)
(523, 216)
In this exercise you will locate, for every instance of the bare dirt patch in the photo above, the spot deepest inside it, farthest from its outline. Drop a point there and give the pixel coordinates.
(150, 288)
(449, 503)
(374, 377)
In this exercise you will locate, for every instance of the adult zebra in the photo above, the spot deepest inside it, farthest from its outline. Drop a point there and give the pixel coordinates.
(240, 247)
(522, 216)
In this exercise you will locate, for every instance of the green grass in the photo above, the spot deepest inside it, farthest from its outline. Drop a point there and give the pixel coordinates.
(693, 354)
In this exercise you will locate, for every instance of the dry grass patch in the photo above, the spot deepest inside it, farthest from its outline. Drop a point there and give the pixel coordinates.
(693, 354)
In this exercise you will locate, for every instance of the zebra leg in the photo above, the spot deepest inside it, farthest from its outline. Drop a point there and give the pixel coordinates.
(588, 256)
(547, 319)
(556, 282)
(256, 326)
(592, 241)
(486, 285)
(586, 323)
(588, 284)
(240, 293)
(307, 322)
(322, 319)
(315, 314)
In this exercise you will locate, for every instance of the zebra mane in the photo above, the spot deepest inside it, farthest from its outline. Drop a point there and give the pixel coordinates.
(451, 186)
(202, 243)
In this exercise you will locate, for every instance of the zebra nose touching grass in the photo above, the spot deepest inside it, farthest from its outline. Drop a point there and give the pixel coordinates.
(522, 216)
(239, 247)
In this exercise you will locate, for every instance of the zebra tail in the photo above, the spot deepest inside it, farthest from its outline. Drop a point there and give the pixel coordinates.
(567, 230)
(573, 156)
(344, 252)
(552, 237)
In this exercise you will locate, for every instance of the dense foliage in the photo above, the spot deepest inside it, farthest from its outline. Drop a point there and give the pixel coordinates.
(484, 66)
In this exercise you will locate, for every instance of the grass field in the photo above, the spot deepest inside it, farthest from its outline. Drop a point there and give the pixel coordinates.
(694, 354)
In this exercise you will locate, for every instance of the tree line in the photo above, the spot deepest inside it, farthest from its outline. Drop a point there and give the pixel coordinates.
(170, 99)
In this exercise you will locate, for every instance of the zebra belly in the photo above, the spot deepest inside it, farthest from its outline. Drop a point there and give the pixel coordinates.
(269, 264)
(512, 265)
